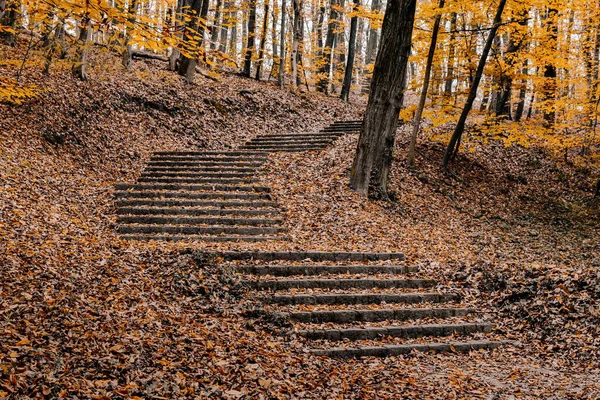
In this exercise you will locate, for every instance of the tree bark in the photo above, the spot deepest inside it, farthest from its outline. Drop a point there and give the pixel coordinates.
(300, 52)
(423, 98)
(502, 105)
(274, 41)
(323, 82)
(233, 40)
(226, 18)
(215, 29)
(319, 28)
(85, 34)
(451, 55)
(175, 53)
(339, 54)
(263, 41)
(295, 42)
(549, 87)
(373, 158)
(197, 12)
(522, 93)
(281, 77)
(131, 18)
(250, 43)
(8, 17)
(373, 39)
(345, 95)
(460, 125)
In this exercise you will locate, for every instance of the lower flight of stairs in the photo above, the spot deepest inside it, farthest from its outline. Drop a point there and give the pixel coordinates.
(361, 304)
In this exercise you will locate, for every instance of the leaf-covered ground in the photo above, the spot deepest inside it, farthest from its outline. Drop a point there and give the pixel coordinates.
(86, 315)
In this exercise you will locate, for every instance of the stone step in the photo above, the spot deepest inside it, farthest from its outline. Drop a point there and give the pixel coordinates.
(290, 270)
(334, 135)
(316, 256)
(192, 188)
(344, 316)
(289, 143)
(175, 238)
(199, 230)
(281, 145)
(290, 148)
(200, 164)
(294, 150)
(195, 203)
(154, 220)
(193, 211)
(175, 174)
(352, 121)
(206, 159)
(204, 153)
(174, 180)
(327, 138)
(200, 169)
(362, 298)
(191, 195)
(285, 284)
(400, 349)
(400, 331)
(341, 127)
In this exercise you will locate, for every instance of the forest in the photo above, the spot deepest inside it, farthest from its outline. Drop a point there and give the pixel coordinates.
(274, 199)
(531, 67)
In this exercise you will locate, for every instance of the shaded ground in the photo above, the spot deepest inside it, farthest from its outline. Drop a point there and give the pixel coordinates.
(85, 314)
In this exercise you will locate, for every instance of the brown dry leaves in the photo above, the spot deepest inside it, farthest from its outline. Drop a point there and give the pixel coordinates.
(83, 314)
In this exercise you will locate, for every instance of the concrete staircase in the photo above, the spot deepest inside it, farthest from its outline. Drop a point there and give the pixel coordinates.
(212, 196)
(302, 142)
(361, 304)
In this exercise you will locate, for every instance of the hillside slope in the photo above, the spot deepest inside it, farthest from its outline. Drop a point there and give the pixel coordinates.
(84, 314)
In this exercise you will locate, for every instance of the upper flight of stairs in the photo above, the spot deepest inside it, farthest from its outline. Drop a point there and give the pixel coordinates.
(212, 196)
(293, 142)
(353, 304)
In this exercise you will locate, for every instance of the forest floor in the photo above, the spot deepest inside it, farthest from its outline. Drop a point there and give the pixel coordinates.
(85, 314)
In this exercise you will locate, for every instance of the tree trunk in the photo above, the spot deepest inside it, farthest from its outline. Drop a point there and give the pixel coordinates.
(319, 28)
(295, 42)
(281, 77)
(460, 126)
(197, 12)
(83, 43)
(522, 94)
(451, 55)
(226, 18)
(263, 41)
(423, 98)
(345, 95)
(9, 11)
(339, 54)
(373, 40)
(250, 44)
(274, 42)
(131, 18)
(549, 87)
(373, 158)
(300, 52)
(233, 42)
(215, 28)
(325, 70)
(175, 53)
(502, 105)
